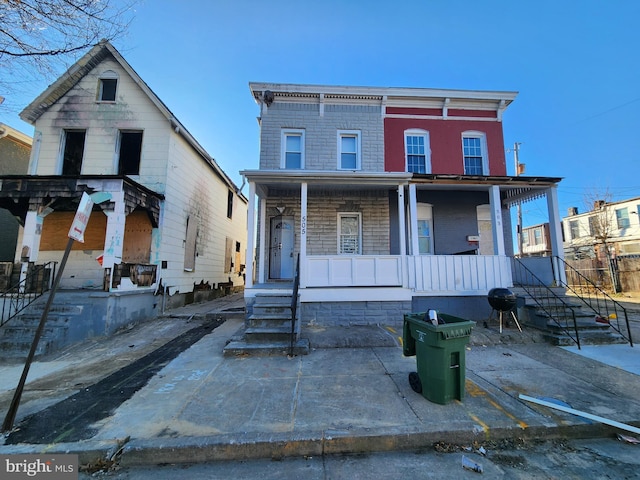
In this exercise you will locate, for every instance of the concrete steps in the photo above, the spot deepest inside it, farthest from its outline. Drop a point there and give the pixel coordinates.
(556, 318)
(268, 329)
(16, 336)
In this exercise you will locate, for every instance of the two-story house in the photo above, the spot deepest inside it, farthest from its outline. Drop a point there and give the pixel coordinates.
(175, 224)
(536, 240)
(604, 242)
(395, 199)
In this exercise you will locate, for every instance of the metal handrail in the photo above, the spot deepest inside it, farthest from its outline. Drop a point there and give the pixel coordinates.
(540, 293)
(22, 294)
(593, 297)
(294, 304)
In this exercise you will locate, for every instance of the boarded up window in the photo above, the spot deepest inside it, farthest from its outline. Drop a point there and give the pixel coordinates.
(228, 259)
(55, 230)
(190, 244)
(137, 238)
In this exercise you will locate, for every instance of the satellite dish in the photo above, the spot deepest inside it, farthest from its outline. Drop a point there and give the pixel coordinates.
(267, 96)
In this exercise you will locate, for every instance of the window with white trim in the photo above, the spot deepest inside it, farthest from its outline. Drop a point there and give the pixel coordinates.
(474, 153)
(574, 229)
(622, 217)
(417, 151)
(537, 236)
(129, 148)
(349, 233)
(292, 149)
(348, 150)
(107, 86)
(425, 228)
(72, 151)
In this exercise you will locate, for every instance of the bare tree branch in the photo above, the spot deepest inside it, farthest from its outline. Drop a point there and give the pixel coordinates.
(39, 38)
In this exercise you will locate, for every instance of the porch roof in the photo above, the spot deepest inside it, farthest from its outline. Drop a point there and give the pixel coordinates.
(22, 193)
(513, 189)
(287, 178)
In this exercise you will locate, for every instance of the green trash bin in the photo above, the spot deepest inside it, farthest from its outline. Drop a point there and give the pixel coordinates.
(440, 355)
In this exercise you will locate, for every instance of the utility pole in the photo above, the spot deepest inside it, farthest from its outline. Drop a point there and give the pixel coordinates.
(516, 147)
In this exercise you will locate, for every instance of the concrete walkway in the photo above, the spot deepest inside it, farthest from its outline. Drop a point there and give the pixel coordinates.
(203, 406)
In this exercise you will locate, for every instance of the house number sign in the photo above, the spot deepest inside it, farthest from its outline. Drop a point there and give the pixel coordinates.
(303, 225)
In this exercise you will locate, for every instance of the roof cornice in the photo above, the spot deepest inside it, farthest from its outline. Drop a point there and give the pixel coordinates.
(391, 95)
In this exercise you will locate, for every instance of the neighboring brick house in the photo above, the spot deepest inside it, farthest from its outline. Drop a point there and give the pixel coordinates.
(395, 199)
(176, 222)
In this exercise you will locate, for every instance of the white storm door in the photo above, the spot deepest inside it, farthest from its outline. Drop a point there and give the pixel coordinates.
(281, 248)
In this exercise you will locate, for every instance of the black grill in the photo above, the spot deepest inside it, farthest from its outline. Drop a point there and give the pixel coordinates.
(501, 299)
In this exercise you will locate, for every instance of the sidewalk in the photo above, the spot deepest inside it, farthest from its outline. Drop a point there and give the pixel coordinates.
(203, 406)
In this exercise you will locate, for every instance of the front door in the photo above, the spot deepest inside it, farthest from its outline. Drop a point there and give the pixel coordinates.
(281, 248)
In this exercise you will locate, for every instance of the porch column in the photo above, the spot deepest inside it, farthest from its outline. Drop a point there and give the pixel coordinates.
(401, 221)
(496, 220)
(413, 220)
(114, 236)
(303, 231)
(251, 231)
(31, 237)
(555, 233)
(262, 221)
(402, 216)
(31, 234)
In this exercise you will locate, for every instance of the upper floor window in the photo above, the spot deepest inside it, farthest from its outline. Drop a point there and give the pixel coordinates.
(574, 228)
(292, 149)
(107, 86)
(72, 151)
(230, 204)
(537, 236)
(474, 153)
(417, 151)
(348, 150)
(349, 234)
(622, 217)
(129, 149)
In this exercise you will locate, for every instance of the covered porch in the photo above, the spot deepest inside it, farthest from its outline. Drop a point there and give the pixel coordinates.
(365, 239)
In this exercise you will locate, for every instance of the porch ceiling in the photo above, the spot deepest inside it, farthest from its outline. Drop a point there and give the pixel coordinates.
(513, 190)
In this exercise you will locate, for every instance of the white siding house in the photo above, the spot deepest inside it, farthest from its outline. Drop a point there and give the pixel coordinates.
(176, 223)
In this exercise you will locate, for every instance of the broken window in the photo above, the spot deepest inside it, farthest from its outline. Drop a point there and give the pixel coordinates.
(230, 204)
(107, 86)
(129, 152)
(73, 151)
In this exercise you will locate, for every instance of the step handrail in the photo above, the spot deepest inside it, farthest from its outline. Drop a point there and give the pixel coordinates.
(596, 299)
(539, 292)
(294, 304)
(19, 296)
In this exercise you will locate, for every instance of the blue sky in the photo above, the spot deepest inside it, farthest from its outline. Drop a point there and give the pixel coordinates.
(574, 64)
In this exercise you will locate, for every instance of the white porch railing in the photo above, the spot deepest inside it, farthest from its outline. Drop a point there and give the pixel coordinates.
(452, 274)
(352, 271)
(459, 273)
